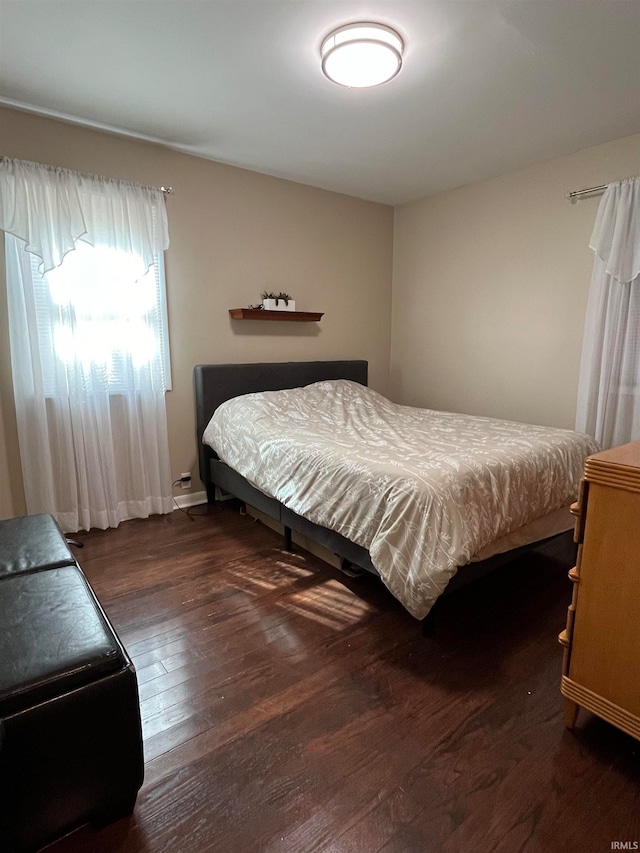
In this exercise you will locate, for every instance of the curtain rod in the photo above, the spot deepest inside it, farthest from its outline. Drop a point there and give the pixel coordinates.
(588, 190)
(165, 190)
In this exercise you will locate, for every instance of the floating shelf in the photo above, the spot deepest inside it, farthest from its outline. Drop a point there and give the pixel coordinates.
(261, 314)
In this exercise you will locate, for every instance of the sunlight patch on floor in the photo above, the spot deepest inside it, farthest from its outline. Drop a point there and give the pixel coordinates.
(268, 575)
(330, 604)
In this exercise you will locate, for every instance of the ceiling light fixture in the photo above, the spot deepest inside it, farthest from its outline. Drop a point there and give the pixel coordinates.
(362, 55)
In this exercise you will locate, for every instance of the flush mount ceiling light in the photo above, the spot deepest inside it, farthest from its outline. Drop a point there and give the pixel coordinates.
(362, 55)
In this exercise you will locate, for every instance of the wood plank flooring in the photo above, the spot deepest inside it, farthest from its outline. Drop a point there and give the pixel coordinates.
(286, 707)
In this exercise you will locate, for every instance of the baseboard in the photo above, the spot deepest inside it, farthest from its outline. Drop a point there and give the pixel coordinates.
(192, 499)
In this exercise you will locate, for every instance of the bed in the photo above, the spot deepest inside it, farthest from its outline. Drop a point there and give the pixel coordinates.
(408, 494)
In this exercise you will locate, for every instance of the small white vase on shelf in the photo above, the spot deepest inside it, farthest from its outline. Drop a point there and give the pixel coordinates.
(278, 305)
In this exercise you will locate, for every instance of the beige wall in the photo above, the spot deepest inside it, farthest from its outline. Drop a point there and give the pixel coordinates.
(490, 285)
(233, 234)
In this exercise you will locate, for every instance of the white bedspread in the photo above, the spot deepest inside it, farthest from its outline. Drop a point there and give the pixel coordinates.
(422, 490)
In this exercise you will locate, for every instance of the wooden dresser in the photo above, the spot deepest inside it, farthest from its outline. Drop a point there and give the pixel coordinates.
(601, 665)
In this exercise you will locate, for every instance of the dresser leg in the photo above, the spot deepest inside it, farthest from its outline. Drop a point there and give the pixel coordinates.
(570, 713)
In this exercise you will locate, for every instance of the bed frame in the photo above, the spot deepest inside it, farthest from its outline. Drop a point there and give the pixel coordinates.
(215, 383)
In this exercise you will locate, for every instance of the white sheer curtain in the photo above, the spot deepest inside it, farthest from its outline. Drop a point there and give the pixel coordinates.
(609, 387)
(86, 338)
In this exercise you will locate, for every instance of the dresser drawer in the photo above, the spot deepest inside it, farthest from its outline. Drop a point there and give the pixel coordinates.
(578, 509)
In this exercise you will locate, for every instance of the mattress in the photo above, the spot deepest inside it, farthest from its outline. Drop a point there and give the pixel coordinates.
(423, 491)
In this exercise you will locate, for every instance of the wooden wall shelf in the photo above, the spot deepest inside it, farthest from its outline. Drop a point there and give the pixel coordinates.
(261, 314)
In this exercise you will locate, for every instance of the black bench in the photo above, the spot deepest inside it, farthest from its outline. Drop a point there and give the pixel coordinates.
(70, 734)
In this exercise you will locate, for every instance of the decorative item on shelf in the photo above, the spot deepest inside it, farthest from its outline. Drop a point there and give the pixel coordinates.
(277, 301)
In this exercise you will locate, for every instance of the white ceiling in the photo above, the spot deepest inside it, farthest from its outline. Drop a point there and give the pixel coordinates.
(486, 86)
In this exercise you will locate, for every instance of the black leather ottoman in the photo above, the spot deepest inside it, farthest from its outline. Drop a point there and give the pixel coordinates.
(70, 735)
(31, 544)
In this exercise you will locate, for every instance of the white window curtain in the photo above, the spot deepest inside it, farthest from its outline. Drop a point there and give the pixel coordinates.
(609, 386)
(88, 343)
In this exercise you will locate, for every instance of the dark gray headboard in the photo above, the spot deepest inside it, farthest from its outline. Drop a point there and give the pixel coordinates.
(215, 383)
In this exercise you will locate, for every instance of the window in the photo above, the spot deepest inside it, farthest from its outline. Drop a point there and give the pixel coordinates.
(98, 312)
(88, 337)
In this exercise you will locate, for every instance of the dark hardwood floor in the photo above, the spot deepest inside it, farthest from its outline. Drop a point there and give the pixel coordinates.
(286, 707)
